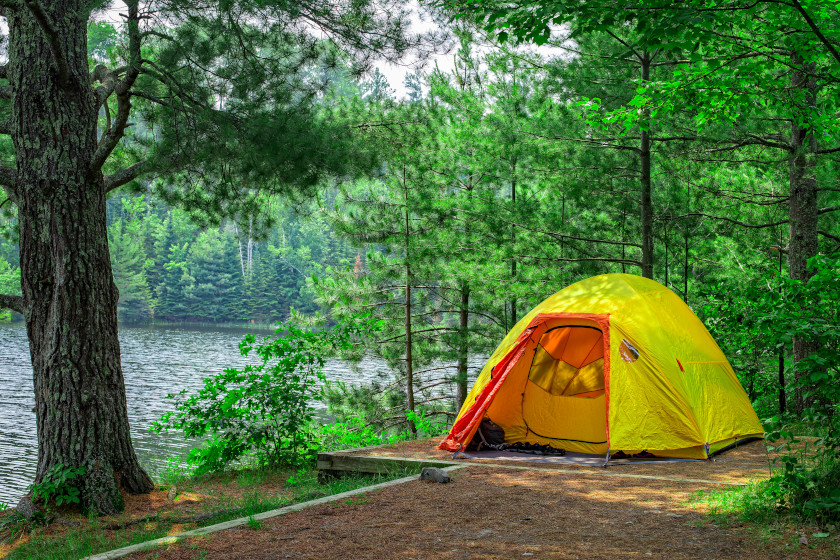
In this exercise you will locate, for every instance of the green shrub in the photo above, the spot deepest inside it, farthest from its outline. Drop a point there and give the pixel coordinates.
(806, 480)
(426, 426)
(262, 412)
(350, 434)
(353, 432)
(59, 486)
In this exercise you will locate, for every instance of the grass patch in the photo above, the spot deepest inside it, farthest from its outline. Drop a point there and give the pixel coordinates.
(757, 505)
(197, 502)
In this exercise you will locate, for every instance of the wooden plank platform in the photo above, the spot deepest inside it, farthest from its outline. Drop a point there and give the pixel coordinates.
(339, 463)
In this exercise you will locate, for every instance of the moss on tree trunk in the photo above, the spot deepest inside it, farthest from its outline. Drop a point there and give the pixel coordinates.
(70, 300)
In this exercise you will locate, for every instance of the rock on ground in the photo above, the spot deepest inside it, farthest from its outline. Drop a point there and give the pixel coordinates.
(434, 474)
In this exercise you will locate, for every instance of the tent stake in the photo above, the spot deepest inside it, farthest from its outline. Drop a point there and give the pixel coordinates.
(607, 459)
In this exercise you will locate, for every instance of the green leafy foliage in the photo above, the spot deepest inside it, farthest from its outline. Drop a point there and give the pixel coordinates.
(264, 411)
(59, 486)
(768, 319)
(350, 435)
(427, 426)
(9, 284)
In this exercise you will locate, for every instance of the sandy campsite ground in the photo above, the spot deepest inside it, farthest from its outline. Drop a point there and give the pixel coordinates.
(489, 511)
(747, 462)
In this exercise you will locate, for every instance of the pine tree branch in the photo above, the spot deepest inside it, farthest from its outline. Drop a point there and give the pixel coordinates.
(111, 137)
(15, 303)
(152, 98)
(827, 209)
(629, 262)
(730, 220)
(763, 141)
(829, 235)
(435, 384)
(620, 40)
(589, 240)
(400, 336)
(816, 30)
(124, 176)
(107, 79)
(52, 40)
(8, 177)
(432, 399)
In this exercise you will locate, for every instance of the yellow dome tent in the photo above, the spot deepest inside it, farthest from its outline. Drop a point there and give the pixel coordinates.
(612, 363)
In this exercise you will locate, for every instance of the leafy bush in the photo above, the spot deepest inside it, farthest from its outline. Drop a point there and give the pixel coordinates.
(350, 434)
(264, 411)
(353, 432)
(808, 483)
(427, 426)
(374, 413)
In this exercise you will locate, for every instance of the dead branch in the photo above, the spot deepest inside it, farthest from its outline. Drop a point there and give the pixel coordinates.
(15, 303)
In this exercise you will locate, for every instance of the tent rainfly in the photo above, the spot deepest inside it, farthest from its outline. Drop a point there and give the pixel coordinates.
(612, 363)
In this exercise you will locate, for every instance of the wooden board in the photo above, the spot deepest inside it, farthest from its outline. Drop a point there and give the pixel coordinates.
(332, 464)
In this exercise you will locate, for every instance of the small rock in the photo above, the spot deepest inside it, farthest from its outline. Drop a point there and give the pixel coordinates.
(434, 474)
(26, 508)
(170, 496)
(803, 540)
(674, 515)
(484, 533)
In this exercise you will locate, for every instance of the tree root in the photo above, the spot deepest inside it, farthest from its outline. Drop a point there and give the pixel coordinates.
(159, 519)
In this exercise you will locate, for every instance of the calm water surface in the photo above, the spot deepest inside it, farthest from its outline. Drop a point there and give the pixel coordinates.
(156, 361)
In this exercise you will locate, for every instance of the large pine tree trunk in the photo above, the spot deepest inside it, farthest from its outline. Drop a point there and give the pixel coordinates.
(69, 295)
(803, 195)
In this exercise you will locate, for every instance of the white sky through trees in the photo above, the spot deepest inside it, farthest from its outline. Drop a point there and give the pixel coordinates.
(395, 73)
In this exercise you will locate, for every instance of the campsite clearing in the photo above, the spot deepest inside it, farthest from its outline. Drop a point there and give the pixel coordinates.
(744, 463)
(494, 511)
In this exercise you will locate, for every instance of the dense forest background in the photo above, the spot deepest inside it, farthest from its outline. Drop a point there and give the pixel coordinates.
(245, 162)
(495, 185)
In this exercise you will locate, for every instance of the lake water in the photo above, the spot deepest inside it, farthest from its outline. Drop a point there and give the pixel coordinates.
(156, 361)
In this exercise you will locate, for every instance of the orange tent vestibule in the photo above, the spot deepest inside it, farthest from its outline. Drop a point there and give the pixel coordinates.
(612, 363)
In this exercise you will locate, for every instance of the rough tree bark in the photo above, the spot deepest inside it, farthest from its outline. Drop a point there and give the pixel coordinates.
(513, 317)
(803, 209)
(646, 200)
(409, 359)
(463, 346)
(69, 296)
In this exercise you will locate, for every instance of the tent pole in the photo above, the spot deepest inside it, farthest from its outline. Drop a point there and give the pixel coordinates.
(455, 455)
(607, 459)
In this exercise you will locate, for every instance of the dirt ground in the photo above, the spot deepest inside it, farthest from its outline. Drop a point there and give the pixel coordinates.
(488, 512)
(746, 462)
